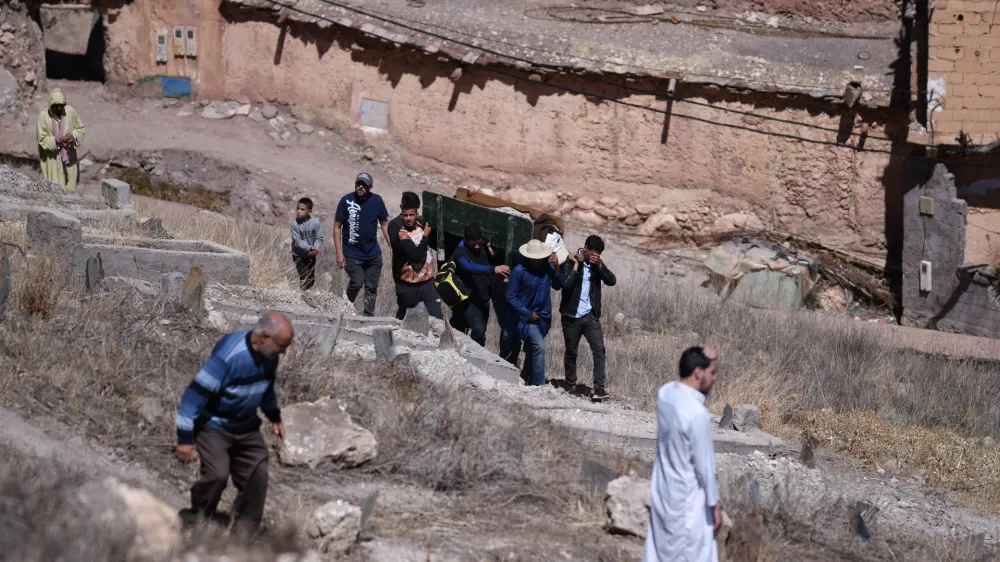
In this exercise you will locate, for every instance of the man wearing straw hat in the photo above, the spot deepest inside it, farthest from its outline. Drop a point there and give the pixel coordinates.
(60, 132)
(529, 293)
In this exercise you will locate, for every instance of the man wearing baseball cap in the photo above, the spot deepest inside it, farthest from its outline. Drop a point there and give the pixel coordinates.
(529, 293)
(358, 252)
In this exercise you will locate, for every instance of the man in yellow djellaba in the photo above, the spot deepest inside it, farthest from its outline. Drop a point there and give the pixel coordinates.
(60, 132)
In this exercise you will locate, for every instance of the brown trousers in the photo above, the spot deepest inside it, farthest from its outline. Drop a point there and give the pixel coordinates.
(244, 457)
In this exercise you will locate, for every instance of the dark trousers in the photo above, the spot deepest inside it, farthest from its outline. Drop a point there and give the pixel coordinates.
(409, 296)
(472, 318)
(363, 273)
(510, 340)
(306, 266)
(244, 457)
(589, 327)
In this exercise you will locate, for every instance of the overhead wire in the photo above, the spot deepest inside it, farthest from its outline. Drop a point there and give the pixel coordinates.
(575, 91)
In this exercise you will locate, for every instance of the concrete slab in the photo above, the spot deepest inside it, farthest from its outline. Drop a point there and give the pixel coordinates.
(149, 258)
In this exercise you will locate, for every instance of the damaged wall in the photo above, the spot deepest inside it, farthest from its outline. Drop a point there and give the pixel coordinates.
(507, 132)
(957, 302)
(22, 54)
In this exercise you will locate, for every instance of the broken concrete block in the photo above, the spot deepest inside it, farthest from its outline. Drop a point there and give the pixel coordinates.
(417, 320)
(52, 228)
(626, 505)
(384, 348)
(171, 285)
(334, 527)
(117, 194)
(322, 434)
(746, 417)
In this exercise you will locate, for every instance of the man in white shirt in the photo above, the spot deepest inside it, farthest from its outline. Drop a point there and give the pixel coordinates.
(685, 511)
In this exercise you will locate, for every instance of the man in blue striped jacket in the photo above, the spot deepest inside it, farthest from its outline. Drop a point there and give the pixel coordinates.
(218, 417)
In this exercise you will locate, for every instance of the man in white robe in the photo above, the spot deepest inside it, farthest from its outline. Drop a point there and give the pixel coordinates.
(685, 511)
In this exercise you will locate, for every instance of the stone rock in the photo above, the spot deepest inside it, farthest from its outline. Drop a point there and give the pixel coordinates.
(417, 320)
(322, 434)
(447, 340)
(832, 298)
(664, 223)
(626, 505)
(647, 210)
(585, 204)
(545, 201)
(609, 202)
(633, 220)
(232, 552)
(52, 228)
(153, 228)
(218, 111)
(10, 96)
(244, 110)
(117, 194)
(86, 163)
(150, 409)
(605, 212)
(269, 111)
(94, 272)
(304, 128)
(589, 218)
(30, 78)
(384, 348)
(737, 222)
(369, 154)
(257, 116)
(156, 524)
(171, 286)
(746, 417)
(193, 293)
(7, 38)
(334, 527)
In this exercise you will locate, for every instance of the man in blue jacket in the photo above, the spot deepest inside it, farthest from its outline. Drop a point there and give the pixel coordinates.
(472, 256)
(529, 293)
(217, 418)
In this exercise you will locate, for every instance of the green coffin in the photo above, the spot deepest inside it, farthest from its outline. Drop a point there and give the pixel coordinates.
(448, 215)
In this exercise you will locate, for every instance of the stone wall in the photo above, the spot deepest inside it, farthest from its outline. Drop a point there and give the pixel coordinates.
(22, 53)
(964, 70)
(507, 133)
(958, 301)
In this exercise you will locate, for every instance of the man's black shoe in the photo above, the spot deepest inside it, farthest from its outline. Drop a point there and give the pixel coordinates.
(599, 396)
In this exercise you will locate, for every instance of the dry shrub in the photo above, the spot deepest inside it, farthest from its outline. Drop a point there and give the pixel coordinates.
(444, 436)
(41, 281)
(942, 458)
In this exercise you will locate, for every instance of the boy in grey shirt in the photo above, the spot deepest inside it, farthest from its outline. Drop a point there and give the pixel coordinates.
(307, 239)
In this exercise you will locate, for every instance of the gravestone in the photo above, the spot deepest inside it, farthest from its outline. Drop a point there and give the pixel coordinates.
(727, 418)
(94, 272)
(447, 340)
(117, 194)
(384, 348)
(171, 285)
(417, 320)
(193, 293)
(328, 340)
(368, 507)
(746, 417)
(6, 283)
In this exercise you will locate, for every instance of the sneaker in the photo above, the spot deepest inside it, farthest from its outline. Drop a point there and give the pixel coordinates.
(599, 396)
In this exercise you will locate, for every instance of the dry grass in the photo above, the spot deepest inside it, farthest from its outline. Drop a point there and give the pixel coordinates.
(40, 281)
(143, 183)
